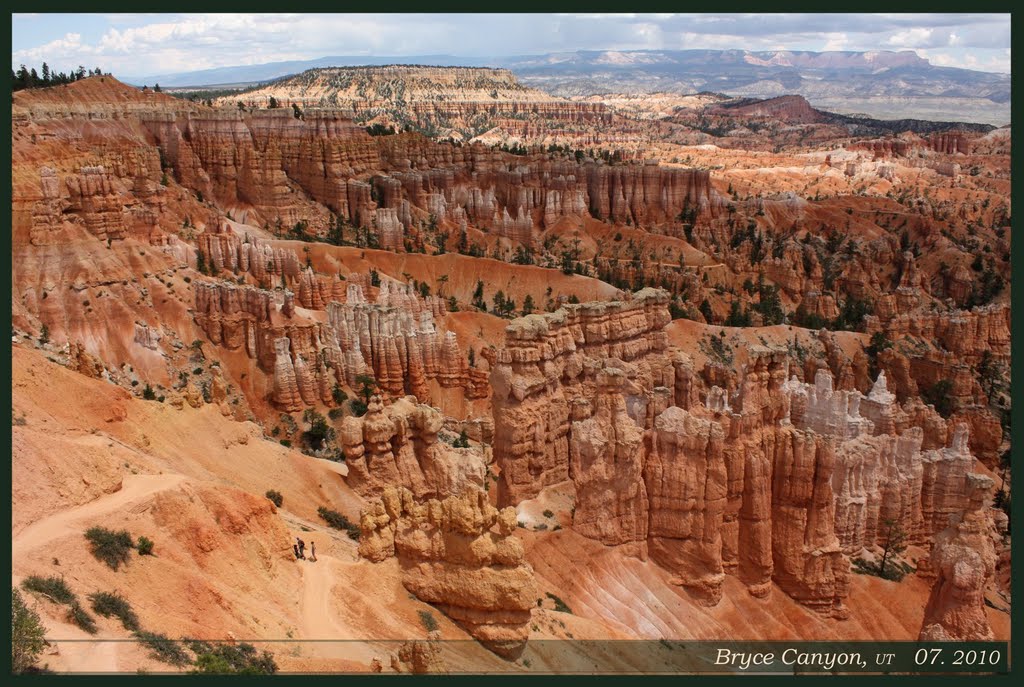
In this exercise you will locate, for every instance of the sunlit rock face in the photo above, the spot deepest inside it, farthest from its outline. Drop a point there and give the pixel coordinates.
(775, 481)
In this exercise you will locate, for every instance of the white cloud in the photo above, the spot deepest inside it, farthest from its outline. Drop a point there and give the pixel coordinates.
(911, 38)
(836, 41)
(69, 44)
(998, 61)
(147, 44)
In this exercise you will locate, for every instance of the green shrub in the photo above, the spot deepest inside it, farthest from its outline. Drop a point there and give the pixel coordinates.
(380, 130)
(112, 604)
(339, 522)
(148, 393)
(894, 571)
(287, 443)
(862, 567)
(80, 617)
(428, 620)
(57, 590)
(319, 432)
(110, 547)
(1002, 501)
(560, 605)
(275, 497)
(28, 636)
(54, 588)
(940, 396)
(548, 514)
(145, 546)
(228, 659)
(163, 648)
(462, 441)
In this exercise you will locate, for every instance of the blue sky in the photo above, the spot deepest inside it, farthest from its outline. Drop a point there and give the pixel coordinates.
(147, 44)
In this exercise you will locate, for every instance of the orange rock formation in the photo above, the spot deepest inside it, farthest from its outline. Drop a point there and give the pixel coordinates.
(458, 554)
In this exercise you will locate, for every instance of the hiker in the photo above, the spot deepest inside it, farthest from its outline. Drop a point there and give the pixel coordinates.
(302, 548)
(295, 548)
(312, 551)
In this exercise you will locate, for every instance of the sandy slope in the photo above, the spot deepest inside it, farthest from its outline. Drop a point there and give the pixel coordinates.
(85, 453)
(136, 488)
(638, 599)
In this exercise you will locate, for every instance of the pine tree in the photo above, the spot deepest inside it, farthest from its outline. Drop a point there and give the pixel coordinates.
(367, 384)
(895, 542)
(478, 296)
(528, 305)
(705, 310)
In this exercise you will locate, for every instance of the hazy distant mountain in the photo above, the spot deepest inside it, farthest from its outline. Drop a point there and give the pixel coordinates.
(757, 74)
(257, 73)
(883, 84)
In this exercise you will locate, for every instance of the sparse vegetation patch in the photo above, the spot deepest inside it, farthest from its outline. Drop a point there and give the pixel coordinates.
(113, 605)
(339, 522)
(110, 547)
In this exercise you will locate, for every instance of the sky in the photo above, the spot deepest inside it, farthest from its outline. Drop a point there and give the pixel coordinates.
(151, 44)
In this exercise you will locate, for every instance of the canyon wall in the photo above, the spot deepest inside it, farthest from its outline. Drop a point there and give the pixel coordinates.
(764, 478)
(398, 445)
(544, 366)
(962, 561)
(282, 169)
(394, 339)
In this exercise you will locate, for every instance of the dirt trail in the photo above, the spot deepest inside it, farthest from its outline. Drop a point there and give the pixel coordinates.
(89, 657)
(73, 650)
(318, 621)
(134, 488)
(317, 583)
